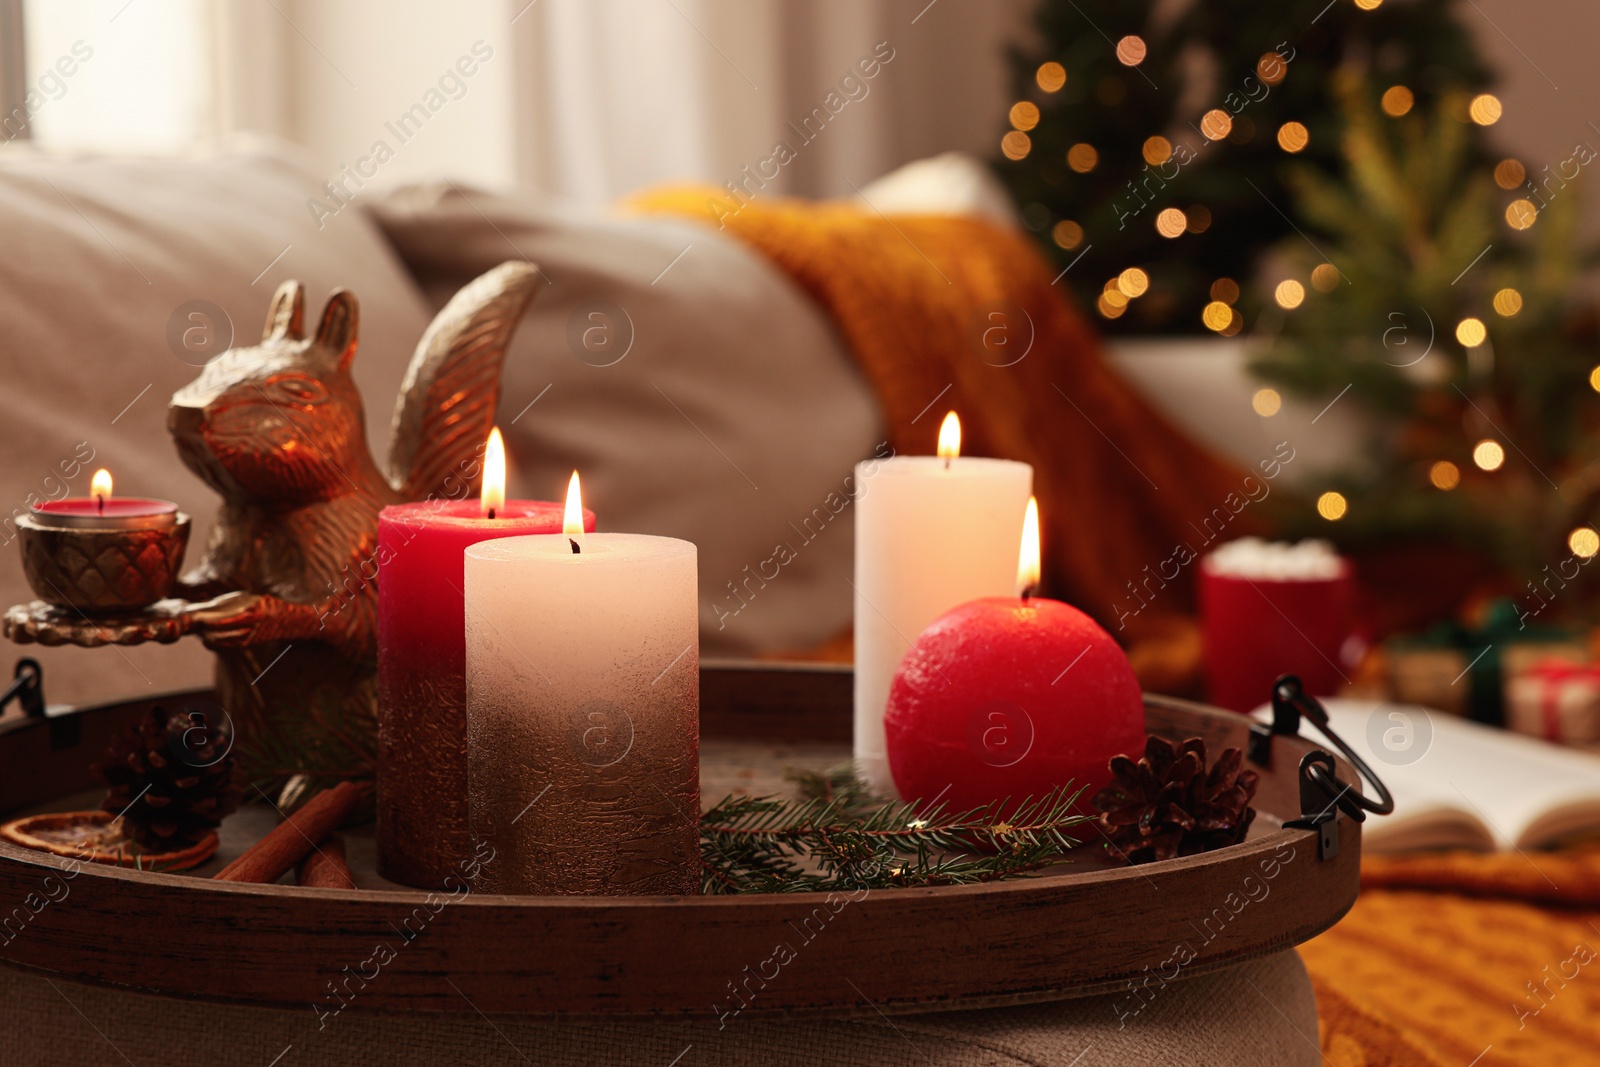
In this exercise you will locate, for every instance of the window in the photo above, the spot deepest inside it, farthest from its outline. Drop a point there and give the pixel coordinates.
(115, 74)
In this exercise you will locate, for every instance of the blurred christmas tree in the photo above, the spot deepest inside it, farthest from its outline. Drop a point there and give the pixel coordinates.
(1149, 147)
(1446, 309)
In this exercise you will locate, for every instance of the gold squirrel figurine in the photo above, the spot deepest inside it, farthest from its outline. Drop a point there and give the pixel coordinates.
(286, 594)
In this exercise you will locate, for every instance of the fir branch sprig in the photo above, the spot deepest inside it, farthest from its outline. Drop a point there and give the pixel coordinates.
(839, 836)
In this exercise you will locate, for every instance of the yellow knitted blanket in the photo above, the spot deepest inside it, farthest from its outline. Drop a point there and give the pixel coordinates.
(1462, 958)
(945, 313)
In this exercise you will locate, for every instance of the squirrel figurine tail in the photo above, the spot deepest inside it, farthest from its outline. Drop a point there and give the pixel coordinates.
(286, 592)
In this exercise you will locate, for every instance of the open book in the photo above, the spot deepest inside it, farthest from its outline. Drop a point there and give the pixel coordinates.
(1472, 787)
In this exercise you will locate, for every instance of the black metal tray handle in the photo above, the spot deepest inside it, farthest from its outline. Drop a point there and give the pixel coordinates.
(1322, 794)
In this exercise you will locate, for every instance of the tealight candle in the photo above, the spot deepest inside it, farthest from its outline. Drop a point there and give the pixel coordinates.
(101, 511)
(583, 726)
(931, 532)
(422, 690)
(102, 553)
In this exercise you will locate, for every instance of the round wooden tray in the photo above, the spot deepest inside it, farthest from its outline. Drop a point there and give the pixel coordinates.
(1078, 930)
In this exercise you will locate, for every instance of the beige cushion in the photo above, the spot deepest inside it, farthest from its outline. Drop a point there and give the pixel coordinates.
(951, 183)
(98, 254)
(733, 420)
(1261, 1012)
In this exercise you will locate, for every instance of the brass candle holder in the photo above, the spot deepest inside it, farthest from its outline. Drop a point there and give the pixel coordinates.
(99, 568)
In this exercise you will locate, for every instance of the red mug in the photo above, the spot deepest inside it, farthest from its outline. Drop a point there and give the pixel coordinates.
(1256, 628)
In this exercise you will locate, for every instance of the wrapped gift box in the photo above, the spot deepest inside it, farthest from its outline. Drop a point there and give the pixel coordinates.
(1466, 669)
(1557, 700)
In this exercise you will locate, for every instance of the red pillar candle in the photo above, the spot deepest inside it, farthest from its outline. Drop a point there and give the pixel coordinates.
(422, 725)
(1010, 698)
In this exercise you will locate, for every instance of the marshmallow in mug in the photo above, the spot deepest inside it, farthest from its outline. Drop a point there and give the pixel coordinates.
(1251, 557)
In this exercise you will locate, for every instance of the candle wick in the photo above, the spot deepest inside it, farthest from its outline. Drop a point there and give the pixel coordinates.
(491, 514)
(100, 503)
(575, 549)
(947, 463)
(1028, 591)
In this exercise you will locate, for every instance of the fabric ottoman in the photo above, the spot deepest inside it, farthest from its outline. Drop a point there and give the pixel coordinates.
(1261, 1012)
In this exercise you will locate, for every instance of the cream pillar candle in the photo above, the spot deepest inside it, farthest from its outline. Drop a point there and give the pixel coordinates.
(932, 532)
(583, 725)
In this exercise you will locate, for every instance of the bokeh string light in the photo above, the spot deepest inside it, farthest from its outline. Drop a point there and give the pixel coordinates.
(1024, 115)
(1397, 100)
(1215, 124)
(1488, 454)
(1444, 475)
(1067, 234)
(1485, 109)
(1471, 332)
(1216, 316)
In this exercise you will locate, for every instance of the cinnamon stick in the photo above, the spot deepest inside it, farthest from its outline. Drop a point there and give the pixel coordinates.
(325, 867)
(293, 839)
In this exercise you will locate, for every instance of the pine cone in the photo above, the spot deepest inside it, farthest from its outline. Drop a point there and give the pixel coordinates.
(1166, 805)
(171, 777)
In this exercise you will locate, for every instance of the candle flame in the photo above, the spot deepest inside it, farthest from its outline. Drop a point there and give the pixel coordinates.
(1028, 558)
(572, 522)
(950, 437)
(492, 499)
(100, 485)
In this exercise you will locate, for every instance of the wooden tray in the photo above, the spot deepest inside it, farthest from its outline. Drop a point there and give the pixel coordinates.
(1081, 931)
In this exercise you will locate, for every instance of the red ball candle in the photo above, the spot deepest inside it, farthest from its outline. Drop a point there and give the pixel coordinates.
(1011, 697)
(422, 694)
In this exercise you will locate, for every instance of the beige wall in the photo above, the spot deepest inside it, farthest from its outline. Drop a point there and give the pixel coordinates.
(1550, 81)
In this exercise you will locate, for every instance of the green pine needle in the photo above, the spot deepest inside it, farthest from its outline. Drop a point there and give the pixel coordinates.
(838, 836)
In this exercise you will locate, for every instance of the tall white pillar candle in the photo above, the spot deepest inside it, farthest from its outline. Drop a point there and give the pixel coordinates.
(932, 532)
(583, 713)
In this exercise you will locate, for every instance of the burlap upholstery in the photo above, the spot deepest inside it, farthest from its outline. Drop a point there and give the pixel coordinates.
(1261, 1012)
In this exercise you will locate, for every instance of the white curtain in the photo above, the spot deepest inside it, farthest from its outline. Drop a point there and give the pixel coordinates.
(591, 99)
(614, 95)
